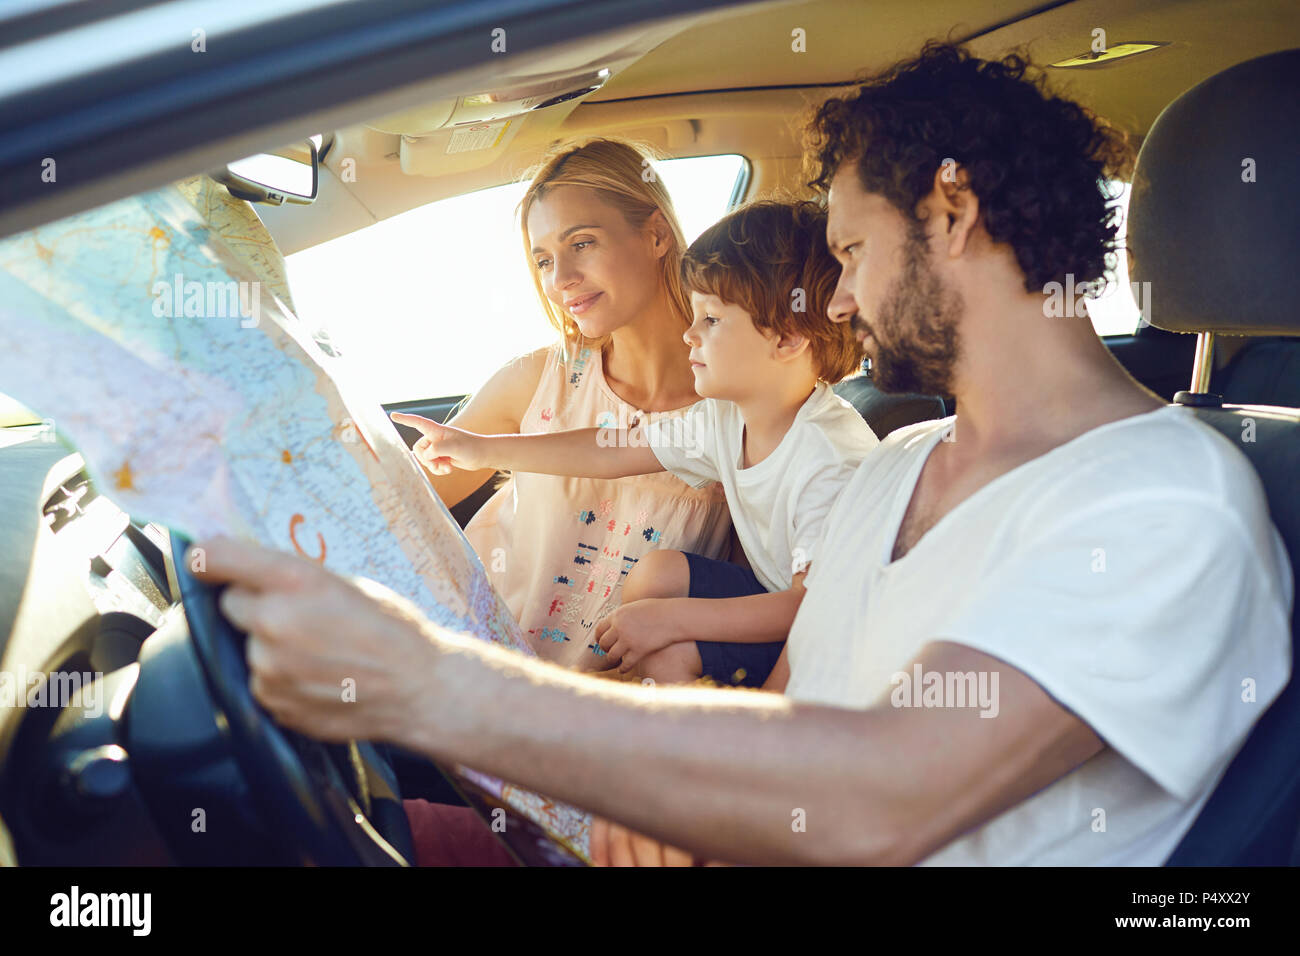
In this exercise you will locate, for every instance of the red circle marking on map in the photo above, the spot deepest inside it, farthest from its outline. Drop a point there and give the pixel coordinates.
(293, 537)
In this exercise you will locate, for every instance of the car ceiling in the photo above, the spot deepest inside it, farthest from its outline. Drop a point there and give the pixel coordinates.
(716, 85)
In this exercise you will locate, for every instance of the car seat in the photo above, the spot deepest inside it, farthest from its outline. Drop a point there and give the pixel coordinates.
(884, 412)
(1212, 227)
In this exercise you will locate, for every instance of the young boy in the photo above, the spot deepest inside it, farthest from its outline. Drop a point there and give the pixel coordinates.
(770, 428)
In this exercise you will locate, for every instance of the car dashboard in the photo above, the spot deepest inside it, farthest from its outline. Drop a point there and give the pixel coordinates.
(110, 750)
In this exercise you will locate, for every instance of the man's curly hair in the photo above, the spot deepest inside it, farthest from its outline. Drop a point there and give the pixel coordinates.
(1040, 164)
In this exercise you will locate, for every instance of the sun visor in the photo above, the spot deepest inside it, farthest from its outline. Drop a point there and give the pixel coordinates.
(469, 131)
(503, 103)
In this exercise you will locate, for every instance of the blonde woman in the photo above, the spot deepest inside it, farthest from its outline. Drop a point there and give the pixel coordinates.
(605, 250)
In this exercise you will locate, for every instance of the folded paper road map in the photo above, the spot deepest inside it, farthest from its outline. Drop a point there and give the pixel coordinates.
(154, 334)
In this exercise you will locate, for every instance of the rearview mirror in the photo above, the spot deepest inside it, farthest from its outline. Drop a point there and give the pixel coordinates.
(287, 175)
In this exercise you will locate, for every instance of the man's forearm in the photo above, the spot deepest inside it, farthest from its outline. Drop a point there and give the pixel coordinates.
(733, 775)
(752, 619)
(579, 453)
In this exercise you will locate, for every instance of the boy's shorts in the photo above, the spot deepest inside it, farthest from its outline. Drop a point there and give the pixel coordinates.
(728, 662)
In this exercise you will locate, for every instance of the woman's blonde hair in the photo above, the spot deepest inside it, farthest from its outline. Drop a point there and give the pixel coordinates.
(621, 175)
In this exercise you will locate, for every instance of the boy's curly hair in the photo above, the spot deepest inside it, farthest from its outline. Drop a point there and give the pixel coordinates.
(1039, 164)
(770, 258)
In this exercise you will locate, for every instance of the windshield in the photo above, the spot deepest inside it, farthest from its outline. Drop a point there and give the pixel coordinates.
(430, 302)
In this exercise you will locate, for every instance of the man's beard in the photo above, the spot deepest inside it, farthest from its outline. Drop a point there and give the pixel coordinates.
(916, 344)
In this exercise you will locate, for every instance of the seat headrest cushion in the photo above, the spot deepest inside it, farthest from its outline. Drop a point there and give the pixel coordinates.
(1214, 217)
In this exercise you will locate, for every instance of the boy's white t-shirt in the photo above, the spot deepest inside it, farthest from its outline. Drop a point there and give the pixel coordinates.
(1133, 573)
(779, 505)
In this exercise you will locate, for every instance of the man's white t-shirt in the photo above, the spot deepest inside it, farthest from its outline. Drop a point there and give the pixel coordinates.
(779, 505)
(1133, 573)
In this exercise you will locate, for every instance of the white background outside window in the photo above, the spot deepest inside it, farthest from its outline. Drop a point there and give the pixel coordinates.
(431, 302)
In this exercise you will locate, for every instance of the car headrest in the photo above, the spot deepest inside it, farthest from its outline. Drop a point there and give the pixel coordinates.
(1216, 195)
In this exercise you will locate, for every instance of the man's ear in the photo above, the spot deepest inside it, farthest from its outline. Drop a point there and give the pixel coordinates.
(953, 206)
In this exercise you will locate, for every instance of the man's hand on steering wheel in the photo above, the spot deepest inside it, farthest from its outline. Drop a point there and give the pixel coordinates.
(331, 658)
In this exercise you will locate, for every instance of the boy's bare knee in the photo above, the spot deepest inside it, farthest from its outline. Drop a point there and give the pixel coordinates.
(659, 574)
(675, 664)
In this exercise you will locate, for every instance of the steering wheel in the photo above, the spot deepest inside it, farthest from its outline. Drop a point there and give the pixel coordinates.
(317, 794)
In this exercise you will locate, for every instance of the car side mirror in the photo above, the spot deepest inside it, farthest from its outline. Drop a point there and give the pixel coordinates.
(288, 175)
